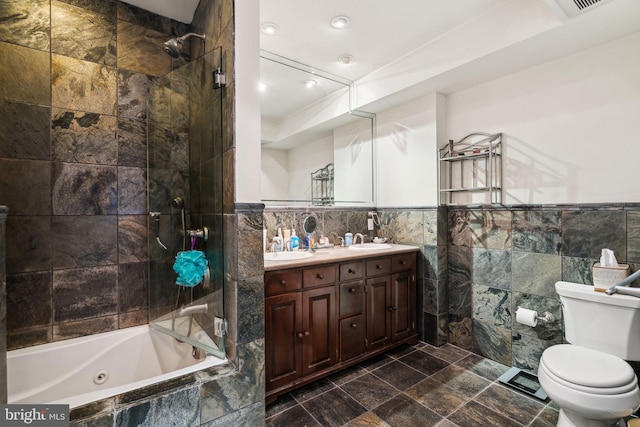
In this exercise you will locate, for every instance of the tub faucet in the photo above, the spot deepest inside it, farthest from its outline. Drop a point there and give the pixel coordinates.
(187, 311)
(355, 238)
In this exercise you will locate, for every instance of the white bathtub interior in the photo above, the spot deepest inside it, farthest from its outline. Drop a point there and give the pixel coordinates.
(85, 369)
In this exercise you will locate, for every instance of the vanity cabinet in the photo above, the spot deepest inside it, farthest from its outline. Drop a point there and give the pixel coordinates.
(320, 319)
(300, 317)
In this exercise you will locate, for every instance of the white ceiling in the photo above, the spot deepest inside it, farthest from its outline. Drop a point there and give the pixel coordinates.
(380, 32)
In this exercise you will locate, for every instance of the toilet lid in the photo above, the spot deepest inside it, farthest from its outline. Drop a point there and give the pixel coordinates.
(586, 367)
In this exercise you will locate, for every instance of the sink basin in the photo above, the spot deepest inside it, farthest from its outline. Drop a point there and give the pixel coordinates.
(286, 256)
(369, 247)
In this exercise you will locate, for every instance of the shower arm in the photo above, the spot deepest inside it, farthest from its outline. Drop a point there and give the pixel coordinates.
(181, 39)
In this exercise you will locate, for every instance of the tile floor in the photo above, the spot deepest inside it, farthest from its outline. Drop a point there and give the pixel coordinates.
(417, 385)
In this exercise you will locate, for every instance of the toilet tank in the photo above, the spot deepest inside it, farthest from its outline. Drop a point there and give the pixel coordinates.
(608, 323)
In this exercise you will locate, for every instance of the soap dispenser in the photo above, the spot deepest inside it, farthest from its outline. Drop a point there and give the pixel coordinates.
(295, 240)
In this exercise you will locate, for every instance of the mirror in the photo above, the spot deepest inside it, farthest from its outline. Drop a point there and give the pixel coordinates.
(310, 224)
(308, 124)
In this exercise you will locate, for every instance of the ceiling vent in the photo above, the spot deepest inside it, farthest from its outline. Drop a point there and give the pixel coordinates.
(577, 7)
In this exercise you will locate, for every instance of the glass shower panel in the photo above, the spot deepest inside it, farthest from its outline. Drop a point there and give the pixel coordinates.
(184, 175)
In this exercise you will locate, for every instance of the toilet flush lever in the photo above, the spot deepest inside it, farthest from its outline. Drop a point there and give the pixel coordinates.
(623, 286)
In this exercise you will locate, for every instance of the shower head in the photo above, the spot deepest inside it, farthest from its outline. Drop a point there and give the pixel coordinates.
(177, 203)
(173, 46)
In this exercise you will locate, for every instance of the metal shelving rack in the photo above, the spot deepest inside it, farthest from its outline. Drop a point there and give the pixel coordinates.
(472, 164)
(322, 186)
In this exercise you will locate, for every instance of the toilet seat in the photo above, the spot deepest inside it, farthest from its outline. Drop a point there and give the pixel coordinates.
(587, 370)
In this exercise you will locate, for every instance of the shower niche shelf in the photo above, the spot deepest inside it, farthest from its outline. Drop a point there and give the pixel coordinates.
(472, 165)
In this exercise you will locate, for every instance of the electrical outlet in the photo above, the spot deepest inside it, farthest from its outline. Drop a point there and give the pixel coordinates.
(370, 224)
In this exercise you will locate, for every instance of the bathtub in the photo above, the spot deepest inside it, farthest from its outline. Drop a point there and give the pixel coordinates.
(81, 370)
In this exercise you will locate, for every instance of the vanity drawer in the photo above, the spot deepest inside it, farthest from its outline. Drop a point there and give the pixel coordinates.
(352, 337)
(403, 262)
(351, 270)
(278, 282)
(318, 276)
(351, 298)
(378, 266)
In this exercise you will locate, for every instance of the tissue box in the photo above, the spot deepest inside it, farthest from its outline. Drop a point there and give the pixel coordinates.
(605, 277)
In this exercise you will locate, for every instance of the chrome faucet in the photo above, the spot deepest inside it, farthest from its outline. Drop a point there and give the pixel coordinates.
(355, 238)
(337, 236)
(186, 311)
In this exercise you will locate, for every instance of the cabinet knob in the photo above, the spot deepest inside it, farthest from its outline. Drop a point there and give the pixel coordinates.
(392, 308)
(378, 266)
(303, 334)
(320, 276)
(307, 333)
(351, 271)
(300, 334)
(403, 262)
(283, 282)
(353, 325)
(352, 290)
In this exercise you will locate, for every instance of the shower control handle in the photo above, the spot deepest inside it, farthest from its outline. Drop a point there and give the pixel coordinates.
(200, 233)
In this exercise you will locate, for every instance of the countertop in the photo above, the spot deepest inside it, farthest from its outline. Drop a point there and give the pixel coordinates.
(337, 254)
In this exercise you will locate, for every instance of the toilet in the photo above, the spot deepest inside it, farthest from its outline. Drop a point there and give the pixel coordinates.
(589, 378)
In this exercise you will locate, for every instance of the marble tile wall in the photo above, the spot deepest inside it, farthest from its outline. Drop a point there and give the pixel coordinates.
(73, 110)
(74, 78)
(499, 259)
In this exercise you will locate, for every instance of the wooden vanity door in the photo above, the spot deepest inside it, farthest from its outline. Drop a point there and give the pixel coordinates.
(319, 329)
(403, 305)
(378, 314)
(283, 323)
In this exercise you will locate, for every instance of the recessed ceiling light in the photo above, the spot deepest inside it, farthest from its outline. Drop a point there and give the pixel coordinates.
(262, 86)
(340, 22)
(310, 83)
(269, 28)
(345, 59)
